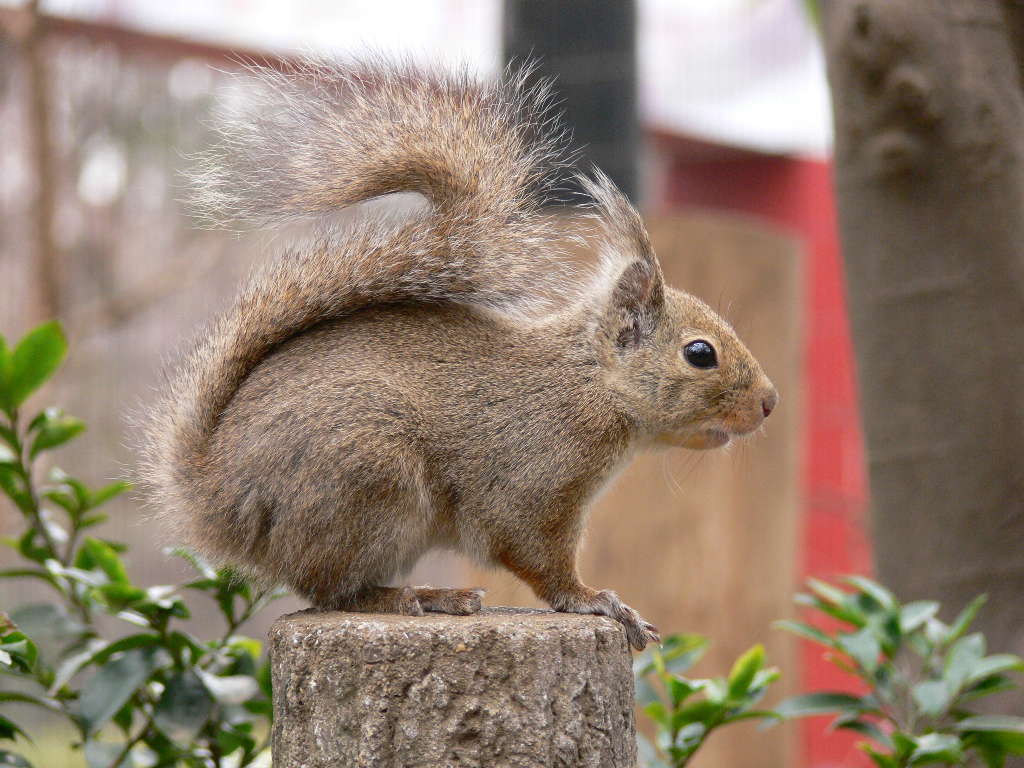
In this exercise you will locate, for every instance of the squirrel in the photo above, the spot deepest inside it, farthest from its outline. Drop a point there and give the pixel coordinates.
(396, 386)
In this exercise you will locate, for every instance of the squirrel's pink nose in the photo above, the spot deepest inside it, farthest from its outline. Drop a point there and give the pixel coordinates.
(769, 402)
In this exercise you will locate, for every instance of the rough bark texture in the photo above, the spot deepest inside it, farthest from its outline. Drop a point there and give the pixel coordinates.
(504, 688)
(929, 109)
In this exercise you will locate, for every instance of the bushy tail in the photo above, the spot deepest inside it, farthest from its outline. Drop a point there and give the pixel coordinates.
(328, 136)
(325, 136)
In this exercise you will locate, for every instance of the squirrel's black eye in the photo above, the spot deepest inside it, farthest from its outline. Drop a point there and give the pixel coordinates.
(700, 354)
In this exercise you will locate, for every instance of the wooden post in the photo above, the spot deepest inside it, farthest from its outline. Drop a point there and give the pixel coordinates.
(503, 688)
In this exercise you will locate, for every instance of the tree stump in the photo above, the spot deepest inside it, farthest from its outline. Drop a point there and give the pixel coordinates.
(505, 688)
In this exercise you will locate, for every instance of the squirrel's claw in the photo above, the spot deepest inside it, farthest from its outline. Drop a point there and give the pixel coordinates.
(606, 603)
(640, 632)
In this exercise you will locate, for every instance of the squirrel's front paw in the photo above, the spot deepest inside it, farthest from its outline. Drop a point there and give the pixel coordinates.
(606, 603)
(638, 631)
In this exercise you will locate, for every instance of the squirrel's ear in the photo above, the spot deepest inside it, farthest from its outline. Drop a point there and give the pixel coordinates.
(638, 290)
(636, 301)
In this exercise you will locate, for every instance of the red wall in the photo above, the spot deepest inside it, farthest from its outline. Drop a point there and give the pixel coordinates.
(797, 196)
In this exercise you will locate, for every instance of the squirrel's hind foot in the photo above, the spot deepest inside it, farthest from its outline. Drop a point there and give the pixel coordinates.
(400, 600)
(459, 602)
(410, 601)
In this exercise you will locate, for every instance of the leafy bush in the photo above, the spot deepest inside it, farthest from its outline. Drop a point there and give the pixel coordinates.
(685, 711)
(922, 677)
(155, 695)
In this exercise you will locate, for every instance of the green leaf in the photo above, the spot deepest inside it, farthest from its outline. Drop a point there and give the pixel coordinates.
(830, 609)
(131, 642)
(5, 379)
(993, 756)
(657, 712)
(265, 679)
(880, 760)
(28, 573)
(108, 492)
(184, 708)
(994, 665)
(874, 590)
(744, 670)
(108, 690)
(863, 647)
(57, 475)
(64, 500)
(88, 521)
(986, 687)
(885, 626)
(839, 603)
(961, 660)
(119, 595)
(11, 760)
(765, 677)
(38, 354)
(677, 653)
(102, 754)
(234, 737)
(690, 737)
(683, 652)
(55, 431)
(73, 663)
(937, 748)
(48, 704)
(9, 730)
(8, 435)
(863, 727)
(206, 570)
(716, 689)
(99, 554)
(51, 627)
(752, 714)
(936, 632)
(997, 741)
(17, 652)
(249, 645)
(185, 647)
(706, 712)
(1006, 723)
(821, 704)
(679, 690)
(230, 689)
(806, 631)
(914, 615)
(932, 697)
(963, 622)
(904, 744)
(14, 485)
(813, 10)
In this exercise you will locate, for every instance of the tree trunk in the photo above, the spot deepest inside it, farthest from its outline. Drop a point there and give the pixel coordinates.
(589, 48)
(929, 143)
(504, 688)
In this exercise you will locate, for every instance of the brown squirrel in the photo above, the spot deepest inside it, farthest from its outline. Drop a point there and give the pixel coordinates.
(399, 386)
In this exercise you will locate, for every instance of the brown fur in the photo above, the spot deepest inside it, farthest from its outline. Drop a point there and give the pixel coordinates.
(395, 388)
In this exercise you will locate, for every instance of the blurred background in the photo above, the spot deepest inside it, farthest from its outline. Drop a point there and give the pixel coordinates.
(713, 116)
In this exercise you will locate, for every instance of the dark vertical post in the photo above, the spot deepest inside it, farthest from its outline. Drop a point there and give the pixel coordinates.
(589, 46)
